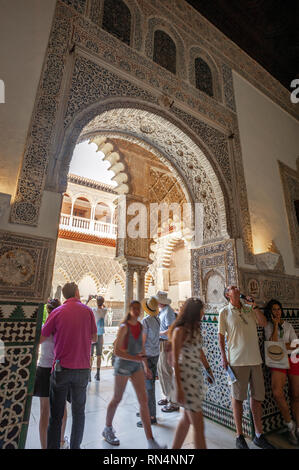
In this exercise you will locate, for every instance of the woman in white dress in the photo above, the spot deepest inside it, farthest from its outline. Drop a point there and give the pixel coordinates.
(189, 360)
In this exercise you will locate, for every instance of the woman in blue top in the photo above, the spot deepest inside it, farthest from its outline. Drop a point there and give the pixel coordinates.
(130, 356)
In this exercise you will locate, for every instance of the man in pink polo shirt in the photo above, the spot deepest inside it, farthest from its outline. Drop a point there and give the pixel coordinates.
(74, 329)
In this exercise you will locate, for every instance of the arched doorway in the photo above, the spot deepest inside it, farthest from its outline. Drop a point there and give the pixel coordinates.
(172, 145)
(154, 131)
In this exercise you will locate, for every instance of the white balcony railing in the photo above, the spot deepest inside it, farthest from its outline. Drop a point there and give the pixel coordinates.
(83, 225)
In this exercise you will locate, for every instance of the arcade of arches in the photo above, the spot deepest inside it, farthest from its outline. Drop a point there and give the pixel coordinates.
(203, 125)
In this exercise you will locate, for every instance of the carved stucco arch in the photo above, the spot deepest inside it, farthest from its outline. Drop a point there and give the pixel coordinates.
(120, 280)
(117, 163)
(156, 129)
(169, 250)
(156, 23)
(95, 279)
(194, 53)
(64, 274)
(83, 195)
(208, 275)
(110, 205)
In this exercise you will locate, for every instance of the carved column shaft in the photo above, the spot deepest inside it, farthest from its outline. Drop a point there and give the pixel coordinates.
(129, 270)
(140, 283)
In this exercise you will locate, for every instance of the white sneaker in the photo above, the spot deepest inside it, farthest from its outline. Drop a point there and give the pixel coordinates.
(66, 444)
(153, 444)
(291, 435)
(109, 436)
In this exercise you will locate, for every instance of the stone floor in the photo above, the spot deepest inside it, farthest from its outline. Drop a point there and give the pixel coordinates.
(131, 437)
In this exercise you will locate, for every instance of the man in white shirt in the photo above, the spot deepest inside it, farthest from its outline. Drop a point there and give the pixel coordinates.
(99, 314)
(238, 321)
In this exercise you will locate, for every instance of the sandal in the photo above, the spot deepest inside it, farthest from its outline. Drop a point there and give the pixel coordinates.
(170, 408)
(163, 402)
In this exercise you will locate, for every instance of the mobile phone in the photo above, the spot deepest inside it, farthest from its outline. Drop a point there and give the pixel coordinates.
(208, 376)
(230, 375)
(244, 297)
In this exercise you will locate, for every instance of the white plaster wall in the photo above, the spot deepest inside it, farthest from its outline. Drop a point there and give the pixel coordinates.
(24, 34)
(268, 134)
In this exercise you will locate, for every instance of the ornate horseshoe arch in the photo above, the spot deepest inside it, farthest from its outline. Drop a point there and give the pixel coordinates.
(157, 131)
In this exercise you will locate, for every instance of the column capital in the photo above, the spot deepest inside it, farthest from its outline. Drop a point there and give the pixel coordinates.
(128, 268)
(141, 270)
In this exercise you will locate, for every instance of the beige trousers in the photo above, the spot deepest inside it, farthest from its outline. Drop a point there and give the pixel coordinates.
(165, 371)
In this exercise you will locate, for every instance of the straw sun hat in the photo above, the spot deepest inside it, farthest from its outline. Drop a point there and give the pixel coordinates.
(150, 306)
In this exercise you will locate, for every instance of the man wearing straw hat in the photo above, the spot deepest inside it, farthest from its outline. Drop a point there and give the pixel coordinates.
(165, 372)
(151, 341)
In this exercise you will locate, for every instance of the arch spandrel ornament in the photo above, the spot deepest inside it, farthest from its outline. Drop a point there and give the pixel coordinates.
(81, 106)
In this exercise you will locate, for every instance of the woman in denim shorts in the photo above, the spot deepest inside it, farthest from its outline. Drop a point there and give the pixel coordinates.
(130, 356)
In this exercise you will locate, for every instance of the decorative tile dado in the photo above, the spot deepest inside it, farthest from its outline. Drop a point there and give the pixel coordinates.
(14, 311)
(290, 184)
(25, 267)
(20, 325)
(217, 404)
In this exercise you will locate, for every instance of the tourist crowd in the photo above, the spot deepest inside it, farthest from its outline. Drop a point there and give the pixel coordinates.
(154, 340)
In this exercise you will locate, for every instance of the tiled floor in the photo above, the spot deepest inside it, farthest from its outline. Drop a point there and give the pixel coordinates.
(131, 437)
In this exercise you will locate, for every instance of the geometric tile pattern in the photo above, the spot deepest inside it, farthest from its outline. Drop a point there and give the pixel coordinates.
(217, 404)
(20, 325)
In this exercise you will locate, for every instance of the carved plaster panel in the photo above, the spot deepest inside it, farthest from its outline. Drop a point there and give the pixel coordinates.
(217, 258)
(26, 265)
(266, 286)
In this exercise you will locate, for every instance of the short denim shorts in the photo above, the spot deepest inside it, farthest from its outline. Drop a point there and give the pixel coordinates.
(124, 367)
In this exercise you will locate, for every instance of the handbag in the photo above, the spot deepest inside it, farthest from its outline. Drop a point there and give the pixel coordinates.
(276, 355)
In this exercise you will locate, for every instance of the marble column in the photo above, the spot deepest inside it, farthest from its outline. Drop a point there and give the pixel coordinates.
(129, 270)
(140, 282)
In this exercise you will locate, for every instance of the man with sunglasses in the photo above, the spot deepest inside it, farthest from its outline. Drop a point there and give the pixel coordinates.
(238, 321)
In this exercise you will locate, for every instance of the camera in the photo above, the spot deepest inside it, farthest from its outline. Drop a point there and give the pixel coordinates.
(244, 297)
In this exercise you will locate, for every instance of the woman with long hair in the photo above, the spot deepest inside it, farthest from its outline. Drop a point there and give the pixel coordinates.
(278, 329)
(188, 359)
(130, 356)
(42, 384)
